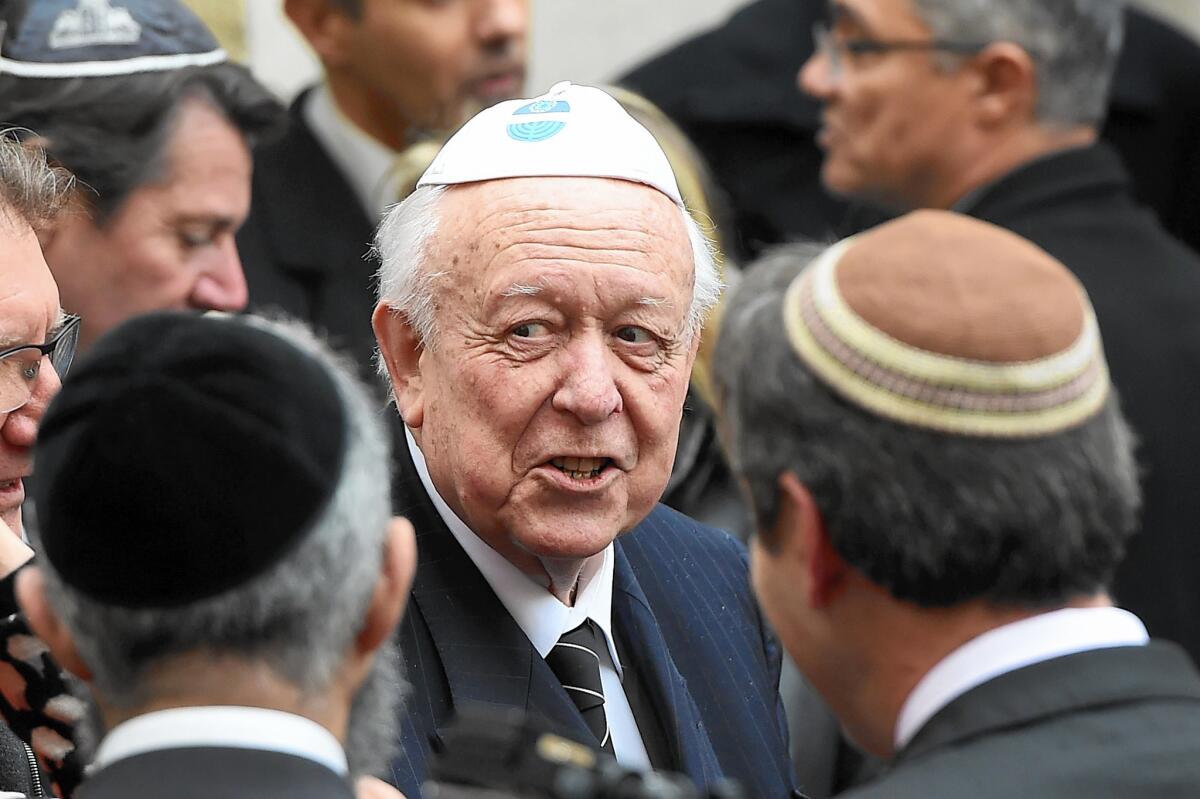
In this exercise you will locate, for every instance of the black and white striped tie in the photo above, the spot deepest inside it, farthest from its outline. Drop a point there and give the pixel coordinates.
(574, 660)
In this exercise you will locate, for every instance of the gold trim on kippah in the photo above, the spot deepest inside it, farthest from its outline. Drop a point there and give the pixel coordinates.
(927, 389)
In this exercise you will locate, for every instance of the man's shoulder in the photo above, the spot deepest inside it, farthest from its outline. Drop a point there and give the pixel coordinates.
(667, 527)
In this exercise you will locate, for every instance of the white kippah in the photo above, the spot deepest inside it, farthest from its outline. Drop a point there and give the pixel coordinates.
(571, 131)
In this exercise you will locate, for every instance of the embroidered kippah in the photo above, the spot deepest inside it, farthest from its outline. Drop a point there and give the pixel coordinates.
(948, 323)
(100, 38)
(184, 456)
(571, 131)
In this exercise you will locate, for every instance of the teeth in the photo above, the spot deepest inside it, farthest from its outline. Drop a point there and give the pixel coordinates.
(580, 468)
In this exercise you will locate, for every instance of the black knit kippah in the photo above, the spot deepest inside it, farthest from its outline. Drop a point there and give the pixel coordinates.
(184, 455)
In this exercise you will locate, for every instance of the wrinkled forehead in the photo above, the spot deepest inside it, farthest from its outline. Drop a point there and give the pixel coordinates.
(597, 214)
(28, 293)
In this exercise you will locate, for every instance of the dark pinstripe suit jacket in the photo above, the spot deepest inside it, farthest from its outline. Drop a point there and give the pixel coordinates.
(682, 608)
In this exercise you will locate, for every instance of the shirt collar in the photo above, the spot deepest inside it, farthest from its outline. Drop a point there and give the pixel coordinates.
(366, 163)
(1011, 647)
(223, 727)
(539, 614)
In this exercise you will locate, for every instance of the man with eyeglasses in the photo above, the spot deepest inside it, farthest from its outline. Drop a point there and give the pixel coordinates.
(36, 345)
(992, 109)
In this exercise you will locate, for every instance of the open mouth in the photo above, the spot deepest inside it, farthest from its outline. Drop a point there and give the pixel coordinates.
(581, 468)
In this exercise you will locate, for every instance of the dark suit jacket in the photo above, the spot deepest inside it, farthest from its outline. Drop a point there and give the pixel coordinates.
(1106, 724)
(216, 773)
(305, 246)
(733, 91)
(1145, 287)
(686, 625)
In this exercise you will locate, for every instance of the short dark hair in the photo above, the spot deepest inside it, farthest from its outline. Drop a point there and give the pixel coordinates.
(112, 132)
(30, 189)
(936, 519)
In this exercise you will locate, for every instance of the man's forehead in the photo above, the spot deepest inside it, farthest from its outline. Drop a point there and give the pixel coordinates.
(874, 15)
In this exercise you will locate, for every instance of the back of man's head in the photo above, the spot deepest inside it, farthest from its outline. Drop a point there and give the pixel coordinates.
(212, 493)
(938, 388)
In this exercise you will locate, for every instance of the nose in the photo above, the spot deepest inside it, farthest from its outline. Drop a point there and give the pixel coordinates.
(221, 286)
(816, 76)
(589, 389)
(501, 21)
(20, 427)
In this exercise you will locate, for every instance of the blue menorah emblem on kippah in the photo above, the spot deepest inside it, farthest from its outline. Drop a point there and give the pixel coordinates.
(542, 129)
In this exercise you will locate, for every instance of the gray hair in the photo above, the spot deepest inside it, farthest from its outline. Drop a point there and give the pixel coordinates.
(406, 282)
(935, 519)
(300, 617)
(30, 189)
(1074, 45)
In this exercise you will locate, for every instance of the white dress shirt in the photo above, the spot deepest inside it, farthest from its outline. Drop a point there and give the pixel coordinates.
(544, 619)
(223, 727)
(1011, 647)
(367, 164)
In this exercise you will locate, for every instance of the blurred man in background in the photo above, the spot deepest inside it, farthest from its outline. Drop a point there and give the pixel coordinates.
(399, 75)
(943, 486)
(995, 112)
(233, 619)
(141, 104)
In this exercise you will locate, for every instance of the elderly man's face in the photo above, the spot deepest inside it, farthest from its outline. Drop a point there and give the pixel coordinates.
(171, 243)
(549, 405)
(29, 312)
(891, 119)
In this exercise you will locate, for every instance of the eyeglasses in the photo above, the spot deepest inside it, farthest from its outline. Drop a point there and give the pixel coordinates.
(21, 366)
(838, 53)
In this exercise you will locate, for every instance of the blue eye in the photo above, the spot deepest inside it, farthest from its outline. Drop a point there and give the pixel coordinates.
(634, 335)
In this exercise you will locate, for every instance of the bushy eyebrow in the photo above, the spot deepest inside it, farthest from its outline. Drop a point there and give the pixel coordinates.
(9, 342)
(521, 290)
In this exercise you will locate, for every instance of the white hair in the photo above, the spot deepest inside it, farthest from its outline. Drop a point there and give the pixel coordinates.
(406, 280)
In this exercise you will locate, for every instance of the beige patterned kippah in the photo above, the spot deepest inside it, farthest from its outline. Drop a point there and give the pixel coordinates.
(941, 321)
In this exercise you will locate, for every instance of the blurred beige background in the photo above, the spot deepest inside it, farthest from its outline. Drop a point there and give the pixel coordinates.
(581, 40)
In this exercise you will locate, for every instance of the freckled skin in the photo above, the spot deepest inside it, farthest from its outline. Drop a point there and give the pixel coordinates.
(584, 367)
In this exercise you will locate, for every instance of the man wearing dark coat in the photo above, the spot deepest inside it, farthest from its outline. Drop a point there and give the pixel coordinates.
(943, 485)
(927, 106)
(733, 91)
(541, 295)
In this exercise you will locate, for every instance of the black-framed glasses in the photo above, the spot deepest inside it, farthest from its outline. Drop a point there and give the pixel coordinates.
(21, 366)
(836, 51)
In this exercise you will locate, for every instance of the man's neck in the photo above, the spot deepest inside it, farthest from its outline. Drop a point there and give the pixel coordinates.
(197, 681)
(999, 158)
(371, 112)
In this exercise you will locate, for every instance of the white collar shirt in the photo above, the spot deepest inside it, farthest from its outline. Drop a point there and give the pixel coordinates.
(223, 727)
(543, 618)
(367, 164)
(1011, 647)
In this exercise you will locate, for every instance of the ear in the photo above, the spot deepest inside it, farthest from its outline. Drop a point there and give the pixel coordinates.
(1006, 84)
(401, 350)
(800, 532)
(391, 589)
(45, 624)
(326, 27)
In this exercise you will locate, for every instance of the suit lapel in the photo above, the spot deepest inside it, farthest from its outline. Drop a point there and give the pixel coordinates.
(646, 650)
(485, 655)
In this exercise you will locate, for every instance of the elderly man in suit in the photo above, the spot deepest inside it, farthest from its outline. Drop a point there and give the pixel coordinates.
(994, 111)
(943, 485)
(540, 300)
(233, 619)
